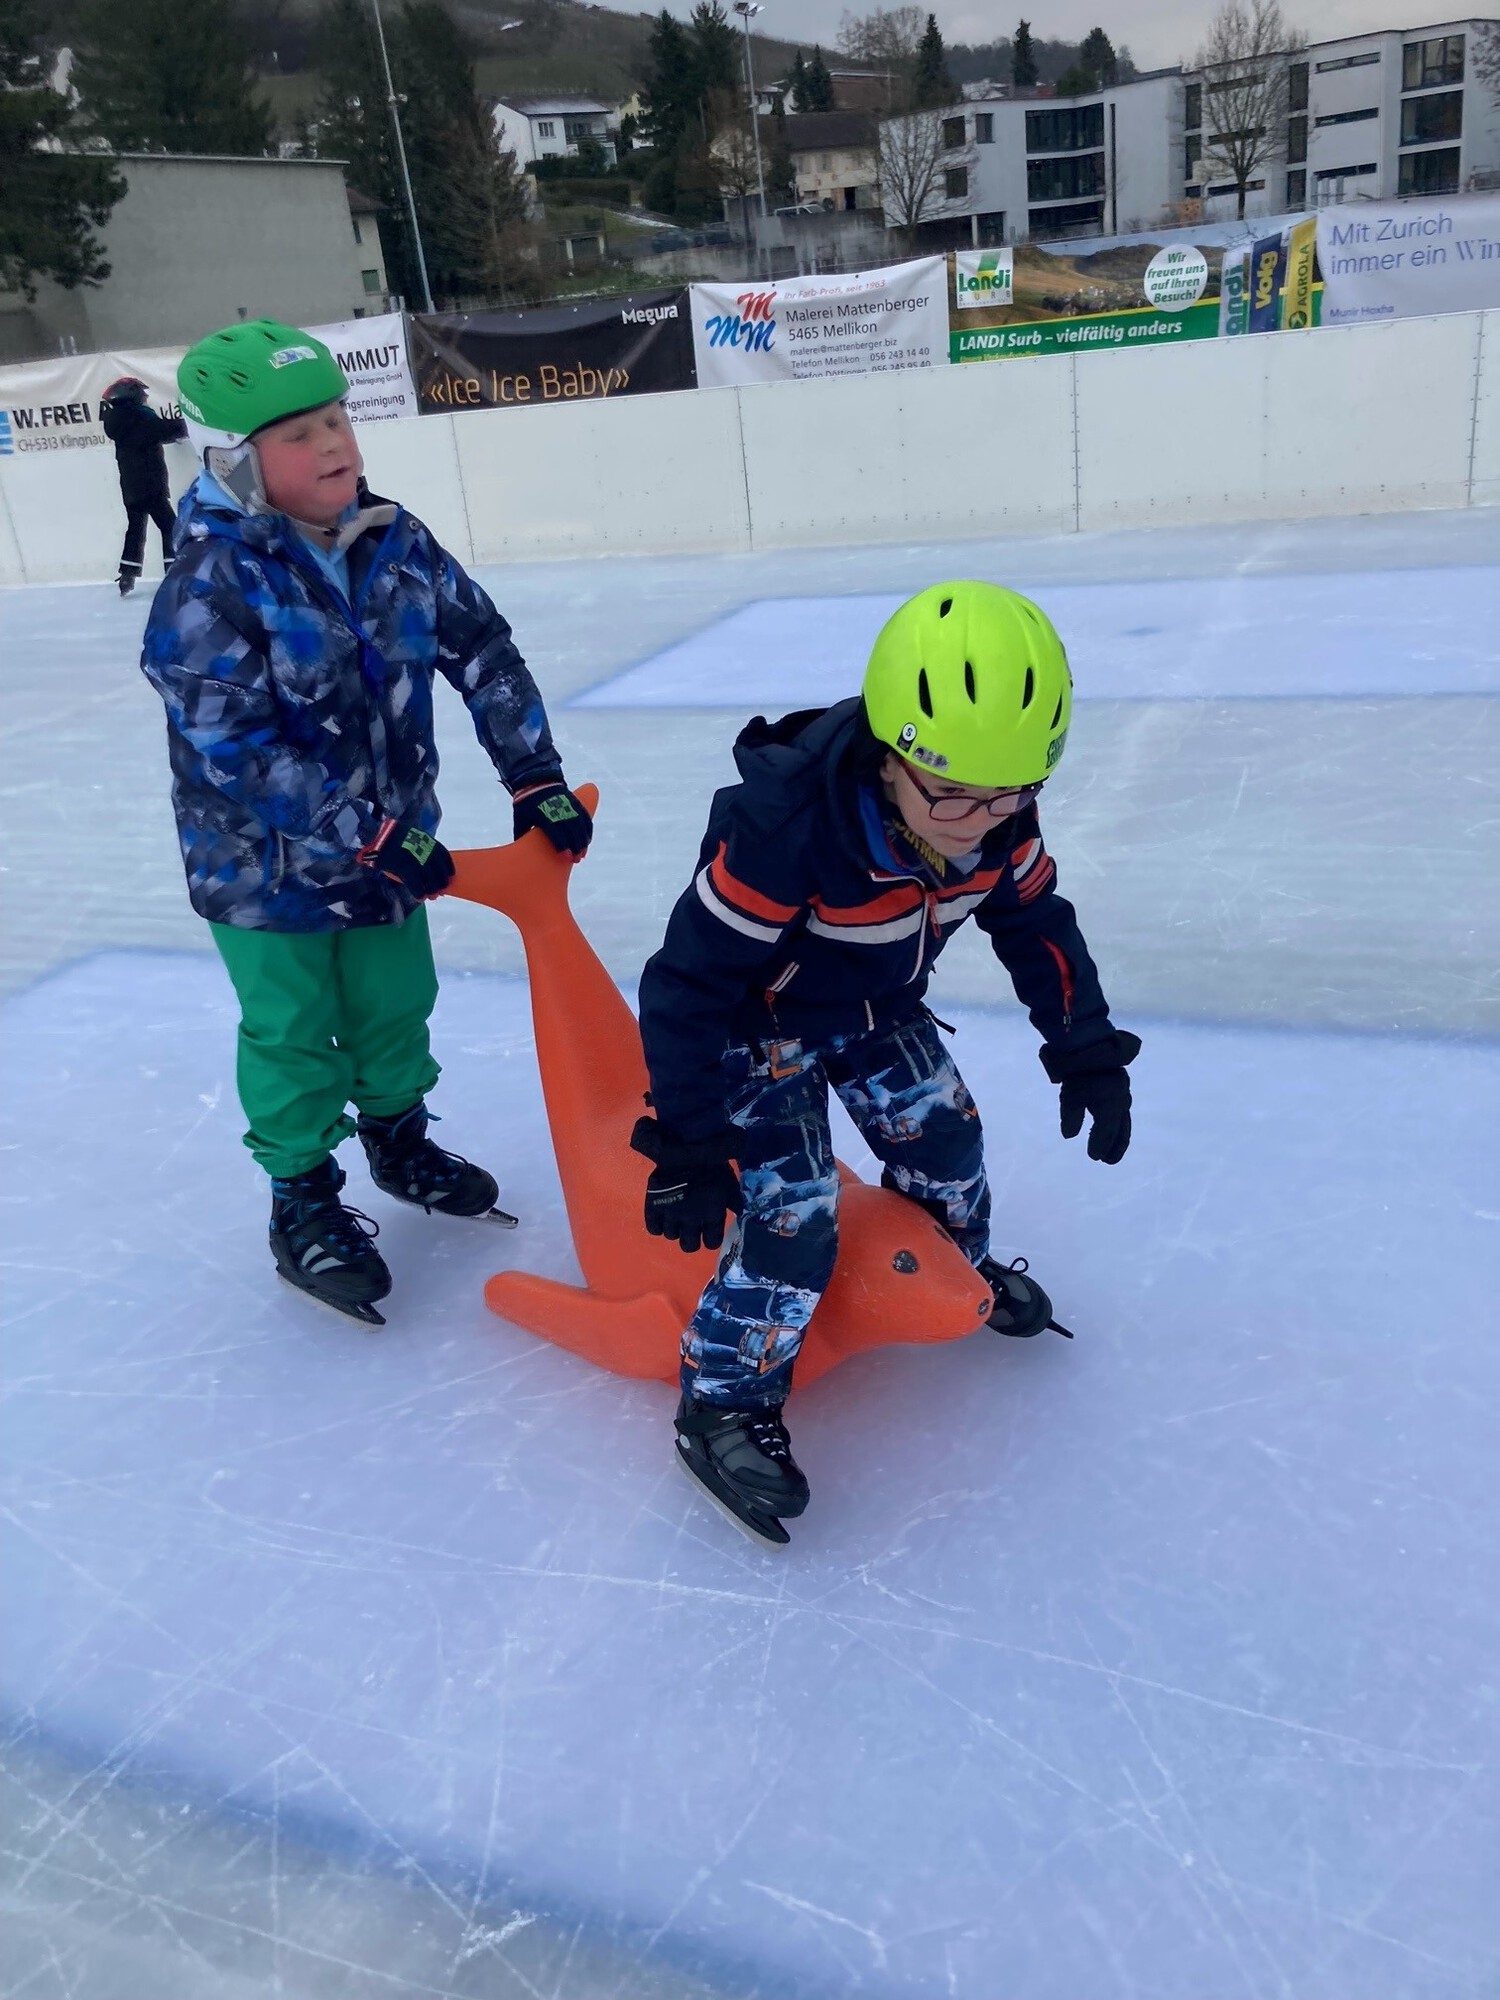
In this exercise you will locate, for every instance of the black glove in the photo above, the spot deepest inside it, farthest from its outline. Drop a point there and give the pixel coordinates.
(418, 861)
(563, 818)
(1094, 1081)
(692, 1187)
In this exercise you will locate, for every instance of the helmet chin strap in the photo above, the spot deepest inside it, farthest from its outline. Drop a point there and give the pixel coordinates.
(237, 469)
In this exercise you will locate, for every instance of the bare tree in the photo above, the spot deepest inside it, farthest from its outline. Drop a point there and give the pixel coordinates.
(1485, 56)
(913, 162)
(1243, 63)
(887, 37)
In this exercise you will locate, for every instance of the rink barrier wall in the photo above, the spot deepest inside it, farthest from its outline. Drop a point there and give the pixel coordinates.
(1351, 420)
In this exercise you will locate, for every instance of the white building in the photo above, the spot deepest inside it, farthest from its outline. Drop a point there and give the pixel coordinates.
(1013, 168)
(1400, 112)
(551, 128)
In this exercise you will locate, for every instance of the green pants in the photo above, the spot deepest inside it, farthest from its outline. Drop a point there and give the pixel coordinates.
(328, 1019)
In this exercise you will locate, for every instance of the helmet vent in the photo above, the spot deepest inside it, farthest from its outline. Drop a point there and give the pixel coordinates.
(945, 607)
(1056, 714)
(1029, 690)
(969, 680)
(924, 694)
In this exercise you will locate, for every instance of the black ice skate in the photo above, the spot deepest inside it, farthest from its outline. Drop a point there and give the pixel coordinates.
(125, 582)
(743, 1461)
(405, 1163)
(1021, 1307)
(325, 1249)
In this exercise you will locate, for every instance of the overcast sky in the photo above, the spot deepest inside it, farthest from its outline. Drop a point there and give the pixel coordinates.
(1158, 31)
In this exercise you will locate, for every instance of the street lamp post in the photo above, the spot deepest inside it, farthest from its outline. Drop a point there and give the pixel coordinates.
(747, 10)
(411, 206)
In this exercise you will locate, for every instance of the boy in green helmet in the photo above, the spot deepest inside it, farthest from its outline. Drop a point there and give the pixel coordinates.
(294, 643)
(857, 841)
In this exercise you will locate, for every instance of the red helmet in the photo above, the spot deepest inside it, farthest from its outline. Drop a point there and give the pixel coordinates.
(128, 389)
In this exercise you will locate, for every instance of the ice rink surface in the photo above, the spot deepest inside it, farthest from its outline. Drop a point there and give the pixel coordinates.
(1160, 1664)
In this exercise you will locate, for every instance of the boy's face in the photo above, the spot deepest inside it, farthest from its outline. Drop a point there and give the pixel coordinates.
(310, 465)
(953, 837)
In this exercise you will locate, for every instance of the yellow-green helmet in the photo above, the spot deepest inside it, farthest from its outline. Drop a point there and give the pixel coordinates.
(970, 681)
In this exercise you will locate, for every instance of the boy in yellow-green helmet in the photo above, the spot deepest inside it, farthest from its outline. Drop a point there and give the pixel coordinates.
(830, 878)
(295, 643)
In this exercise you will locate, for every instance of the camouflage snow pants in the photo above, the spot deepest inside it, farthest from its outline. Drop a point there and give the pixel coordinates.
(900, 1087)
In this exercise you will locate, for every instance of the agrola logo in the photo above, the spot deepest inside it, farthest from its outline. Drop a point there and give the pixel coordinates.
(751, 326)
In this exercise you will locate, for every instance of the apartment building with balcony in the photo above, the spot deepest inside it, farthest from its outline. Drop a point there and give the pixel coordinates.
(1368, 117)
(1012, 168)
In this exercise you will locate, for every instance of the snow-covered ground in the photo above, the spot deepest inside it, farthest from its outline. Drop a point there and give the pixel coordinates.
(1161, 1663)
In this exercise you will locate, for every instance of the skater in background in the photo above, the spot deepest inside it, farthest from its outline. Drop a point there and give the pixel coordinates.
(138, 435)
(830, 878)
(294, 644)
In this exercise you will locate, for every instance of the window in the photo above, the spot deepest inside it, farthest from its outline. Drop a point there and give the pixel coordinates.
(1192, 106)
(953, 133)
(992, 229)
(354, 225)
(1192, 191)
(1350, 117)
(1296, 188)
(1190, 153)
(956, 183)
(1230, 187)
(1065, 131)
(1296, 86)
(1065, 180)
(1430, 173)
(1346, 173)
(1296, 138)
(371, 280)
(984, 128)
(546, 129)
(1084, 218)
(1425, 118)
(825, 163)
(1424, 64)
(1350, 62)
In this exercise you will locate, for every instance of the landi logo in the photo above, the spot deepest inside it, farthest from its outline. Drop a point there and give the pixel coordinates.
(751, 326)
(984, 277)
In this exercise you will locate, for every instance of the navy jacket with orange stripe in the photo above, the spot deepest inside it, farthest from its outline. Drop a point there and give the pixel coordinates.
(802, 923)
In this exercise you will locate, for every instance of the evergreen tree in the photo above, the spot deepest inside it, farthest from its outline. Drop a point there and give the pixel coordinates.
(1023, 69)
(671, 84)
(716, 55)
(352, 121)
(168, 76)
(931, 83)
(50, 202)
(1096, 58)
(819, 85)
(796, 82)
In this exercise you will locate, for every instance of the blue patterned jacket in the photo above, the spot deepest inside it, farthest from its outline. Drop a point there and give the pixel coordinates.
(297, 721)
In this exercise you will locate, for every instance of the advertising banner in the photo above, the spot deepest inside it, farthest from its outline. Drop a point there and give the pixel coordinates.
(1297, 291)
(1384, 260)
(865, 323)
(1123, 295)
(53, 406)
(1267, 269)
(372, 353)
(557, 354)
(1234, 291)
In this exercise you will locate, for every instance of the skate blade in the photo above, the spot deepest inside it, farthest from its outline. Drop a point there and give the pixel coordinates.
(361, 1313)
(500, 1217)
(767, 1533)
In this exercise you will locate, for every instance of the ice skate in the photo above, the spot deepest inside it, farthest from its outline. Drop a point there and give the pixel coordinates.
(327, 1250)
(743, 1461)
(1021, 1307)
(405, 1163)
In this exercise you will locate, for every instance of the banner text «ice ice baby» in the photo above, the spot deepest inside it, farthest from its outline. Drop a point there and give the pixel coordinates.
(869, 322)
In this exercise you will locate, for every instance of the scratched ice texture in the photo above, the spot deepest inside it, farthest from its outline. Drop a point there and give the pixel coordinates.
(1162, 1664)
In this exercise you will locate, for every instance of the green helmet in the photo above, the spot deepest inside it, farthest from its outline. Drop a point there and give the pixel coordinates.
(970, 681)
(244, 377)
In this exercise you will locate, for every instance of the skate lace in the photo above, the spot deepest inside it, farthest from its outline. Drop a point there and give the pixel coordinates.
(406, 1151)
(769, 1436)
(333, 1224)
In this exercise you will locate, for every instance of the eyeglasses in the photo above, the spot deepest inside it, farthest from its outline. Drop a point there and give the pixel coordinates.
(951, 806)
